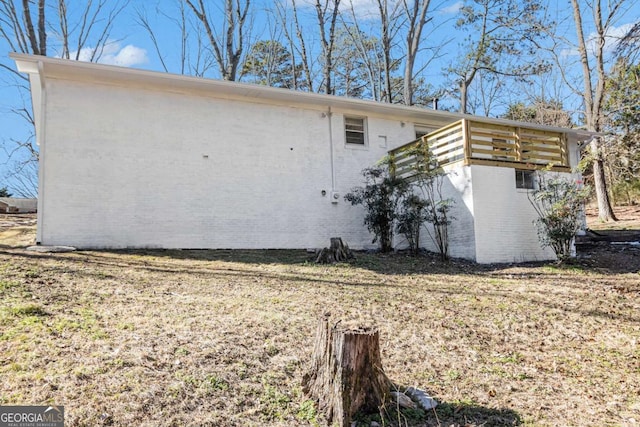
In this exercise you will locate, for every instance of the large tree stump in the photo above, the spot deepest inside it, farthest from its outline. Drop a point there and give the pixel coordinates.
(338, 251)
(346, 375)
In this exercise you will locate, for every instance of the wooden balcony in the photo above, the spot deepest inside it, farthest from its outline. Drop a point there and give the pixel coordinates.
(476, 143)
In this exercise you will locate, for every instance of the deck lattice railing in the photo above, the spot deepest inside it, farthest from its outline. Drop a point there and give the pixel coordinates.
(479, 143)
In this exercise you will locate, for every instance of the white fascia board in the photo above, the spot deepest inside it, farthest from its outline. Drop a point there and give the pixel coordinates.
(110, 74)
(27, 64)
(32, 65)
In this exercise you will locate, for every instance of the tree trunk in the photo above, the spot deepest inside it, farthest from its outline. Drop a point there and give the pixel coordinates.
(346, 375)
(593, 101)
(337, 252)
(605, 211)
(303, 49)
(386, 49)
(416, 16)
(463, 97)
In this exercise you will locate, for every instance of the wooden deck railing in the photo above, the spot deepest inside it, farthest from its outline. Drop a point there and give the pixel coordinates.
(478, 143)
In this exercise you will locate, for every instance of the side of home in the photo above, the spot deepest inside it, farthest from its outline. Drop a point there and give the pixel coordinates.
(138, 159)
(491, 170)
(17, 205)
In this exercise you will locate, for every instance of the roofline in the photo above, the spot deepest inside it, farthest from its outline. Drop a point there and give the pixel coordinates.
(35, 64)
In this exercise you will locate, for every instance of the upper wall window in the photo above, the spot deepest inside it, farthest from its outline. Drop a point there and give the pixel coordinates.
(422, 130)
(354, 128)
(525, 179)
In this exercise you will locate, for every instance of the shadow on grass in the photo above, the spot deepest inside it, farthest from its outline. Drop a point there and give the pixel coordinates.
(399, 263)
(445, 414)
(469, 414)
(402, 263)
(246, 256)
(392, 263)
(395, 264)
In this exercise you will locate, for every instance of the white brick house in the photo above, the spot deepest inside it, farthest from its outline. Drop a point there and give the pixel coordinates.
(140, 159)
(17, 205)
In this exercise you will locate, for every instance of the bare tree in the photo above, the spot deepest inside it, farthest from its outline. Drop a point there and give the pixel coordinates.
(303, 48)
(18, 29)
(26, 26)
(44, 27)
(629, 45)
(486, 93)
(363, 53)
(89, 25)
(181, 22)
(352, 75)
(192, 56)
(24, 179)
(389, 25)
(500, 33)
(327, 12)
(228, 48)
(593, 86)
(281, 30)
(416, 13)
(358, 64)
(292, 31)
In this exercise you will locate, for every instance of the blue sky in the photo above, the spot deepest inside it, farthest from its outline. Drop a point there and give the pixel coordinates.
(131, 46)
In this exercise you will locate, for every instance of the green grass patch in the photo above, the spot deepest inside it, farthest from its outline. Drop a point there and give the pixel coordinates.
(28, 309)
(7, 285)
(274, 404)
(224, 337)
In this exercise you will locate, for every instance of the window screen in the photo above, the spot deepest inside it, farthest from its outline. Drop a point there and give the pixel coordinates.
(525, 179)
(354, 130)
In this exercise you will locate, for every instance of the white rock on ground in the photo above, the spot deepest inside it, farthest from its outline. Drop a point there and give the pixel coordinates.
(403, 400)
(423, 399)
(46, 249)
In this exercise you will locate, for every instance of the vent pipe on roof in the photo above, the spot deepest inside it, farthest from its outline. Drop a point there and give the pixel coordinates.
(435, 103)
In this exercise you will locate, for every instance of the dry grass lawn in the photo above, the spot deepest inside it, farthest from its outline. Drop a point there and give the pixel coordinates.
(221, 338)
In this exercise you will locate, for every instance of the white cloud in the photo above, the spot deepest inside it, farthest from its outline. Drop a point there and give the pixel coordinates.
(368, 9)
(114, 54)
(611, 40)
(128, 56)
(451, 9)
(613, 37)
(363, 9)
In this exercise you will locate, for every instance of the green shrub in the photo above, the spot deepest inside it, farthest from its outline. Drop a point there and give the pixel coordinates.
(380, 197)
(559, 203)
(410, 219)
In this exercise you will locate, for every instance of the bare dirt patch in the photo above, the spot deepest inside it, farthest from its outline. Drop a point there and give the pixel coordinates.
(8, 221)
(628, 219)
(17, 230)
(612, 246)
(223, 338)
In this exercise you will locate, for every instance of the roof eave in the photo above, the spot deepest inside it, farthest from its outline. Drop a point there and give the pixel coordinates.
(33, 64)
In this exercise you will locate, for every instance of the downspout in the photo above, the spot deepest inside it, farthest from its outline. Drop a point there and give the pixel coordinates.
(332, 161)
(40, 140)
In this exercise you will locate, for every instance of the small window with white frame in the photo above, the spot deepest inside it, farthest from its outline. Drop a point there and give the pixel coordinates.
(355, 131)
(422, 130)
(525, 179)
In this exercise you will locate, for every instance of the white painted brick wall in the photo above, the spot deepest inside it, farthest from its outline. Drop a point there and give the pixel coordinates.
(504, 218)
(134, 167)
(129, 167)
(457, 186)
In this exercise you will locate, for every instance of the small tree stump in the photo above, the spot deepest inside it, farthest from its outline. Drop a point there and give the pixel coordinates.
(346, 375)
(337, 252)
